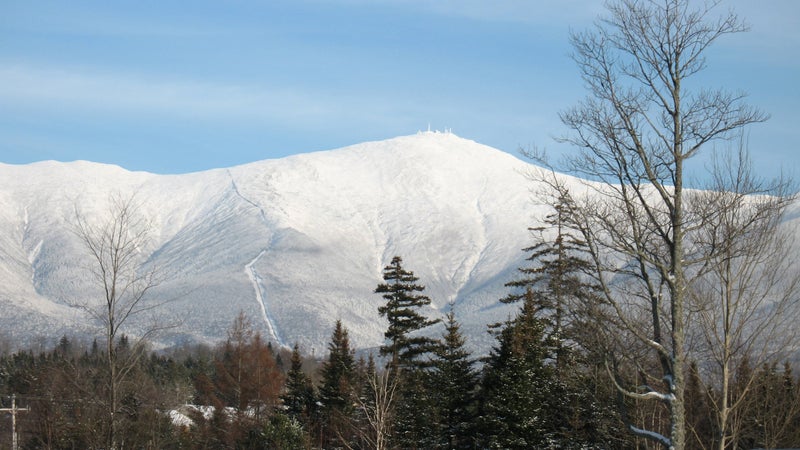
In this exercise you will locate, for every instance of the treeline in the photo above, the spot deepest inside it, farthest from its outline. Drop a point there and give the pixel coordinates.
(541, 386)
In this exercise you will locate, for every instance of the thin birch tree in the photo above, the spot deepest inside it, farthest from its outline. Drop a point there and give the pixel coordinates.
(744, 303)
(115, 246)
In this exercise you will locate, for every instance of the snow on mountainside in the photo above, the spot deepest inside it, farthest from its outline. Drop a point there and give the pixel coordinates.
(295, 243)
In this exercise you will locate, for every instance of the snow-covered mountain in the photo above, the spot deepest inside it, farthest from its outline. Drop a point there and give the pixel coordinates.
(295, 243)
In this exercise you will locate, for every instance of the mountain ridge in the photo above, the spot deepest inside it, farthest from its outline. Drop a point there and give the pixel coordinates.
(295, 243)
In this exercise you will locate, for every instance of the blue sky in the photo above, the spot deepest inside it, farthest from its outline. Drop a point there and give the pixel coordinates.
(171, 88)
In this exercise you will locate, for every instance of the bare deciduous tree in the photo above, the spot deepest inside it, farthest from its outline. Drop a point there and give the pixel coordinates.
(743, 303)
(115, 245)
(377, 408)
(636, 131)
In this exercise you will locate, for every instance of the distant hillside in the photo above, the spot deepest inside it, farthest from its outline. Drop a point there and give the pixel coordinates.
(295, 243)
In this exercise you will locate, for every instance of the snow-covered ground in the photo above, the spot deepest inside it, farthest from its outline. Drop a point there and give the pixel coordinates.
(295, 243)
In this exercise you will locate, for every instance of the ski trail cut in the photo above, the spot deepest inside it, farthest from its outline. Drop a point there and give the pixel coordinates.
(255, 279)
(252, 274)
(247, 200)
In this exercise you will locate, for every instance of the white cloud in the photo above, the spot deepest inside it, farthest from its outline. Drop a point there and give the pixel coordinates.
(83, 91)
(64, 91)
(548, 12)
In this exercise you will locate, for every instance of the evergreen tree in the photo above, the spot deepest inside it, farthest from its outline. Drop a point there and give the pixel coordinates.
(403, 302)
(518, 387)
(791, 401)
(698, 413)
(407, 348)
(528, 401)
(557, 275)
(771, 417)
(299, 399)
(453, 383)
(279, 432)
(561, 299)
(337, 391)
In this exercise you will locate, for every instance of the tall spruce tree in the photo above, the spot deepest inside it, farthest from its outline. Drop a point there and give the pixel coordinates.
(517, 410)
(564, 301)
(408, 350)
(337, 389)
(453, 382)
(557, 273)
(403, 302)
(299, 400)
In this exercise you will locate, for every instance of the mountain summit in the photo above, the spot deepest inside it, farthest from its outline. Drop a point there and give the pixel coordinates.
(295, 243)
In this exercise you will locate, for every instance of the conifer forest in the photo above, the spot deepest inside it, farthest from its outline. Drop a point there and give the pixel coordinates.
(539, 388)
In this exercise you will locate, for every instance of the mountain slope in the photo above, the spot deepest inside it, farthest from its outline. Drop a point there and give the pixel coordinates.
(295, 243)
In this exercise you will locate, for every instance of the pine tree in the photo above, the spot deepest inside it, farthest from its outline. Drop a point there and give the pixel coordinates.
(407, 349)
(401, 310)
(453, 383)
(529, 401)
(337, 391)
(771, 417)
(792, 401)
(518, 384)
(299, 399)
(557, 275)
(698, 414)
(280, 432)
(556, 338)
